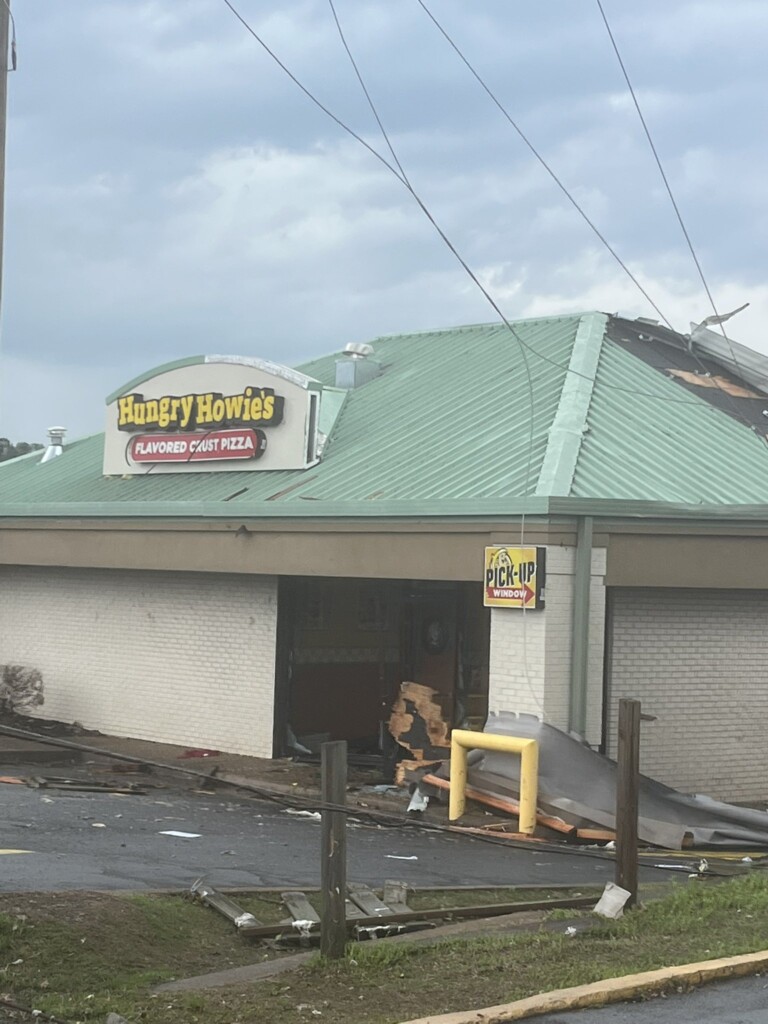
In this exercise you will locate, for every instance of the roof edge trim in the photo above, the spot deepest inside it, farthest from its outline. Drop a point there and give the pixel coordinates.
(175, 364)
(276, 369)
(483, 323)
(632, 508)
(464, 509)
(567, 432)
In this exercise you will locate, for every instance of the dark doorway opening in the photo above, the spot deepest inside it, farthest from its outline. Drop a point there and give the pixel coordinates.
(344, 647)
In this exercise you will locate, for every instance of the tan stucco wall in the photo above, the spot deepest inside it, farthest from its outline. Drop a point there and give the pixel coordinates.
(674, 560)
(369, 551)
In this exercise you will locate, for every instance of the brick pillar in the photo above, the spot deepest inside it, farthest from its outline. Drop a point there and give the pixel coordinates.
(530, 656)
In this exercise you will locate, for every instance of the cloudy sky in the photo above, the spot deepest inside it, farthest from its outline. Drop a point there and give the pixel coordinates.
(171, 192)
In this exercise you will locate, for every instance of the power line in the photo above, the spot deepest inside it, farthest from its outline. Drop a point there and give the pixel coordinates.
(310, 96)
(717, 318)
(547, 167)
(529, 378)
(656, 156)
(367, 94)
(579, 208)
(393, 170)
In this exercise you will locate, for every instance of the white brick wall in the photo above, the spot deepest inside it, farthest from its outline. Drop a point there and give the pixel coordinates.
(698, 660)
(173, 657)
(540, 641)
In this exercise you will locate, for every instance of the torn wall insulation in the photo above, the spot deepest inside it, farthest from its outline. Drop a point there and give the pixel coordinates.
(705, 380)
(579, 785)
(419, 723)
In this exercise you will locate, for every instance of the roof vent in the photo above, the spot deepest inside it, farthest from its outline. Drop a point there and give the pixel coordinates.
(358, 350)
(55, 443)
(356, 366)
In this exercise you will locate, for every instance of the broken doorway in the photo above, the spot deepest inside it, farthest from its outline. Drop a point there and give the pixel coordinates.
(344, 647)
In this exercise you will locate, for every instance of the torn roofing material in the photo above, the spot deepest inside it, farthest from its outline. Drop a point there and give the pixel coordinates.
(579, 785)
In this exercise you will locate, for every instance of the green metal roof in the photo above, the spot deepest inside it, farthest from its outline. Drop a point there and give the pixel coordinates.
(446, 429)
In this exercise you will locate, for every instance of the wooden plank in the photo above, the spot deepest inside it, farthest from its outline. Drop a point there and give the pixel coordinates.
(300, 907)
(627, 796)
(596, 835)
(396, 896)
(505, 804)
(368, 901)
(333, 847)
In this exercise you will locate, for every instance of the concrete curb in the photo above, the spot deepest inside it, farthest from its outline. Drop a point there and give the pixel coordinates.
(612, 990)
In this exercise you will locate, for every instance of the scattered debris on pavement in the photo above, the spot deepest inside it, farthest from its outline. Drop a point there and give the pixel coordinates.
(84, 785)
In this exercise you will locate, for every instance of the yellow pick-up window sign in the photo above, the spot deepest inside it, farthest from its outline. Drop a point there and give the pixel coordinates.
(514, 578)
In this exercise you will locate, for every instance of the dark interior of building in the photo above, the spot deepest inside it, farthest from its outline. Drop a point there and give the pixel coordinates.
(346, 645)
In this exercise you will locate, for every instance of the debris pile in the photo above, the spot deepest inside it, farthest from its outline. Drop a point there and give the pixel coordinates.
(21, 689)
(419, 724)
(577, 794)
(368, 916)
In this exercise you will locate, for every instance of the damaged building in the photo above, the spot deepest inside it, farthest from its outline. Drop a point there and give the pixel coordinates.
(255, 558)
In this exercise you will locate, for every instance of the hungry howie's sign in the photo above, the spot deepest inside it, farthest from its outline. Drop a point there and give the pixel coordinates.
(210, 414)
(173, 412)
(218, 444)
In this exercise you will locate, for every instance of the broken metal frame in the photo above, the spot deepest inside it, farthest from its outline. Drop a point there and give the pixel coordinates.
(463, 740)
(255, 929)
(210, 897)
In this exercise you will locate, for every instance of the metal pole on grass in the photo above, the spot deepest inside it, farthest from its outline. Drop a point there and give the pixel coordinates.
(333, 847)
(627, 794)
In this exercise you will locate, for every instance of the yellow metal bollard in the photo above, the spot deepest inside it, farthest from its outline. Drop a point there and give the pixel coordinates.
(463, 740)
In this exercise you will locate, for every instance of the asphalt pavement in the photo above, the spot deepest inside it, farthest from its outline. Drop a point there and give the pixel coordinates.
(743, 1001)
(99, 841)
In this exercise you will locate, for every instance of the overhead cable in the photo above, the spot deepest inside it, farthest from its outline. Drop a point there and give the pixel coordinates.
(531, 396)
(717, 317)
(544, 163)
(393, 170)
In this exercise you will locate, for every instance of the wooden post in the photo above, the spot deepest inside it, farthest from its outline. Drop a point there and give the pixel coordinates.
(627, 793)
(333, 840)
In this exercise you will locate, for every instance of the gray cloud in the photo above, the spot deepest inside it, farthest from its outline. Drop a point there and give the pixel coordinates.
(169, 191)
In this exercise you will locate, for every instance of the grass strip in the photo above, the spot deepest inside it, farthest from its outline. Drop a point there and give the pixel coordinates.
(81, 960)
